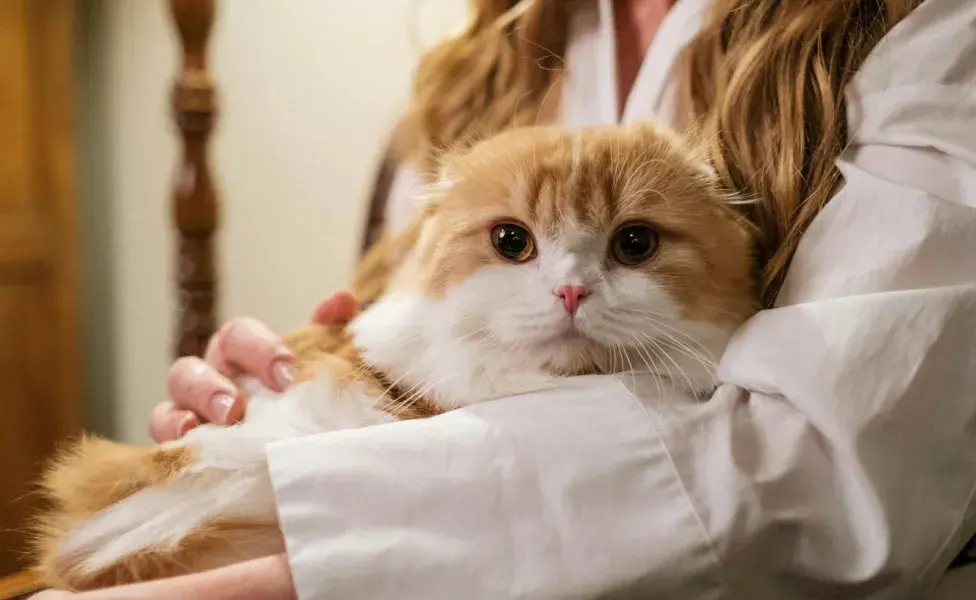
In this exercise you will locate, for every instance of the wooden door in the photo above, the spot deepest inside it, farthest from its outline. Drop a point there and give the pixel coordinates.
(40, 392)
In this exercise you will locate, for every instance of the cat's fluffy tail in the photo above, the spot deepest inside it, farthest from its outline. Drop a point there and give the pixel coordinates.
(129, 513)
(122, 513)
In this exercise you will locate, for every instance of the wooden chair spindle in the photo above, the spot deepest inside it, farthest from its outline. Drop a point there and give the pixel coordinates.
(195, 206)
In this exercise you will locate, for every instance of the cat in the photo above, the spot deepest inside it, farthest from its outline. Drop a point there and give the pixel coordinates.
(539, 254)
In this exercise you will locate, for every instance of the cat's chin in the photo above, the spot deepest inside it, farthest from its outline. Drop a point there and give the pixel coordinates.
(570, 338)
(571, 353)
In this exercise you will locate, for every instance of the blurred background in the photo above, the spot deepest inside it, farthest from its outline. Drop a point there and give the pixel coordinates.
(308, 92)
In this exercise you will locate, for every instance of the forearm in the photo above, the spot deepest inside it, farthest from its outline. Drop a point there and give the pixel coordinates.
(263, 578)
(485, 503)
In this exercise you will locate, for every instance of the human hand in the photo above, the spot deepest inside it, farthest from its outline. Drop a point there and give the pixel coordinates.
(53, 595)
(267, 578)
(201, 390)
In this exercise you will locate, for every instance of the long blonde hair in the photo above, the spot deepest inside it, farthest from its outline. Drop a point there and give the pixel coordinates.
(763, 83)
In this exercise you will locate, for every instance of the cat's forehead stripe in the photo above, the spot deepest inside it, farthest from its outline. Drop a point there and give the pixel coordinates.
(555, 196)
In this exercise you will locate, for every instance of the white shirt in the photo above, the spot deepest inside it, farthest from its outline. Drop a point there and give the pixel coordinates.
(836, 460)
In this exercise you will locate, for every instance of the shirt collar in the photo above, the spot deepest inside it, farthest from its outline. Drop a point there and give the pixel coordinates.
(590, 86)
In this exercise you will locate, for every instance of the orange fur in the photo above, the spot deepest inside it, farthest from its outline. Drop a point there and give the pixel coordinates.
(541, 177)
(216, 544)
(88, 476)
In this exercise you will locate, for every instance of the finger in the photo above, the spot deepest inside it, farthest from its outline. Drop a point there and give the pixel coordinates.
(246, 346)
(196, 386)
(337, 309)
(168, 423)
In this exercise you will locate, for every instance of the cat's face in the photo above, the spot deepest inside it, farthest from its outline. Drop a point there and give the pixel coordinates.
(598, 251)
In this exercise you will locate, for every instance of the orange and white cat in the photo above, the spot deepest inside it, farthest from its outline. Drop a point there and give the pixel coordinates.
(540, 254)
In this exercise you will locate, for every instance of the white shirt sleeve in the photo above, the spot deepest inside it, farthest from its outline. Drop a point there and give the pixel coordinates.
(837, 460)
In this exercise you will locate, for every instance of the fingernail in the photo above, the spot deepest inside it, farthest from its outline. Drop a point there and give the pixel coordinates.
(186, 424)
(223, 405)
(284, 374)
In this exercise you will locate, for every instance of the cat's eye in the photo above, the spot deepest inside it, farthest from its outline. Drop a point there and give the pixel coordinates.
(633, 244)
(513, 242)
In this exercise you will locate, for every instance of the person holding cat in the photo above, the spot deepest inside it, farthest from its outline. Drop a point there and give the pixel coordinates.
(837, 457)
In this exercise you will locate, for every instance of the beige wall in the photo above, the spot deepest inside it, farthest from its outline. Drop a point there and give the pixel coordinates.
(309, 90)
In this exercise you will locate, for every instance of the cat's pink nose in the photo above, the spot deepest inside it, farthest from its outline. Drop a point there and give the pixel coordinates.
(571, 295)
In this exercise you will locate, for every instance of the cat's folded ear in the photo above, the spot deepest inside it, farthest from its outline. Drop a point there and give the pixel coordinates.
(447, 178)
(448, 169)
(446, 173)
(691, 145)
(378, 265)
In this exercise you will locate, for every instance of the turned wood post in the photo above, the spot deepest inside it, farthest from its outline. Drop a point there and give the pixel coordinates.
(195, 207)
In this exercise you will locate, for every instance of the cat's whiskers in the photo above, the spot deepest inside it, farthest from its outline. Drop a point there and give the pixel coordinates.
(649, 315)
(716, 310)
(616, 327)
(674, 343)
(667, 355)
(420, 394)
(662, 345)
(660, 360)
(362, 373)
(660, 355)
(670, 340)
(645, 356)
(630, 366)
(703, 355)
(621, 350)
(408, 399)
(618, 348)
